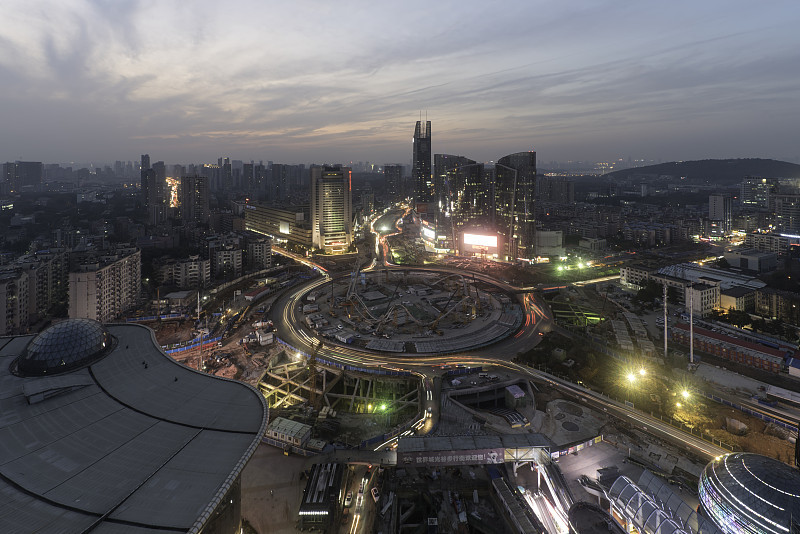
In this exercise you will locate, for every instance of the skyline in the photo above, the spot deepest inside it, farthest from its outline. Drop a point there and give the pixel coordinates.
(95, 82)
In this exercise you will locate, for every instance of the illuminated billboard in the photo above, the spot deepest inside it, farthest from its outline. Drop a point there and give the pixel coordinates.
(428, 232)
(481, 240)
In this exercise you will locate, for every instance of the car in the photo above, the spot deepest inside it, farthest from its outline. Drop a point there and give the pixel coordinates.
(348, 499)
(375, 494)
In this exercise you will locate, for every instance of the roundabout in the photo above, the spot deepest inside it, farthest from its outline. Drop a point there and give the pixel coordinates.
(397, 312)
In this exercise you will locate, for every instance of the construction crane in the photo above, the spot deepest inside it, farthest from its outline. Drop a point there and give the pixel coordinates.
(314, 400)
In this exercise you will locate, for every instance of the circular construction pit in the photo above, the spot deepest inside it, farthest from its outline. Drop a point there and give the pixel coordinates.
(411, 311)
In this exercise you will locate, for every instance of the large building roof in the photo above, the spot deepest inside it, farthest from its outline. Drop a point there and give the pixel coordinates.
(751, 494)
(131, 442)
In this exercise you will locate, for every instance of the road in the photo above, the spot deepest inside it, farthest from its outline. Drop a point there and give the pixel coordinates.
(428, 366)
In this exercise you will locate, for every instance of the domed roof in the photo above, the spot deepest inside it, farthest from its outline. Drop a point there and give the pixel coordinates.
(63, 347)
(750, 493)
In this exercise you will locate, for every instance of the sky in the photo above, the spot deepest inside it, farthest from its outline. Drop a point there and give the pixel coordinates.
(189, 81)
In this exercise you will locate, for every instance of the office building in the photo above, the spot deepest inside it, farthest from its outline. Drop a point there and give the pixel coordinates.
(331, 208)
(787, 212)
(285, 225)
(118, 437)
(421, 163)
(720, 213)
(103, 287)
(751, 260)
(460, 190)
(514, 188)
(757, 192)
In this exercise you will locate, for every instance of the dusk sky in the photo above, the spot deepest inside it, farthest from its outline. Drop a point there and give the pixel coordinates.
(322, 81)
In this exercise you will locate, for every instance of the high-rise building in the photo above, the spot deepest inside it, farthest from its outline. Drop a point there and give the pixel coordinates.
(194, 199)
(514, 188)
(787, 212)
(421, 163)
(720, 212)
(555, 189)
(22, 175)
(756, 192)
(393, 176)
(331, 208)
(462, 195)
(104, 287)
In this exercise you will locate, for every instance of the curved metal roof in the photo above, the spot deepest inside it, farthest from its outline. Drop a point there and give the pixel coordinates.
(750, 494)
(134, 442)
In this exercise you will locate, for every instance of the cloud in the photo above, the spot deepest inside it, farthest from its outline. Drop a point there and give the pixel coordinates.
(316, 80)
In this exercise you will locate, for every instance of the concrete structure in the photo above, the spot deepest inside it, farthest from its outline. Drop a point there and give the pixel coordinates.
(192, 272)
(104, 287)
(702, 297)
(749, 493)
(550, 243)
(777, 304)
(331, 208)
(737, 298)
(102, 432)
(752, 260)
(771, 242)
(259, 252)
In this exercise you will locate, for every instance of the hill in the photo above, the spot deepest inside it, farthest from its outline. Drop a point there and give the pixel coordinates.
(720, 171)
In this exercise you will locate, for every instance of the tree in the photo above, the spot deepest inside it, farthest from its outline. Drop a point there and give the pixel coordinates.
(739, 318)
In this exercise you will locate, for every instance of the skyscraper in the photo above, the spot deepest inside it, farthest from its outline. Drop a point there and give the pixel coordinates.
(461, 194)
(515, 182)
(331, 208)
(421, 166)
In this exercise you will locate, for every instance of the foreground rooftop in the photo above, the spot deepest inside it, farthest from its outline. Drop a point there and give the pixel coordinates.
(131, 442)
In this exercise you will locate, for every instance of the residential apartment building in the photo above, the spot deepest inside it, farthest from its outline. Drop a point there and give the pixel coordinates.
(103, 287)
(190, 273)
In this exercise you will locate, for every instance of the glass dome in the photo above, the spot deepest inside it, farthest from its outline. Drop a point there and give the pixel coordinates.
(65, 346)
(746, 493)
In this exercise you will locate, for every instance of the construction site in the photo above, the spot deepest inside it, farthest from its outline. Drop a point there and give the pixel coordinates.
(410, 311)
